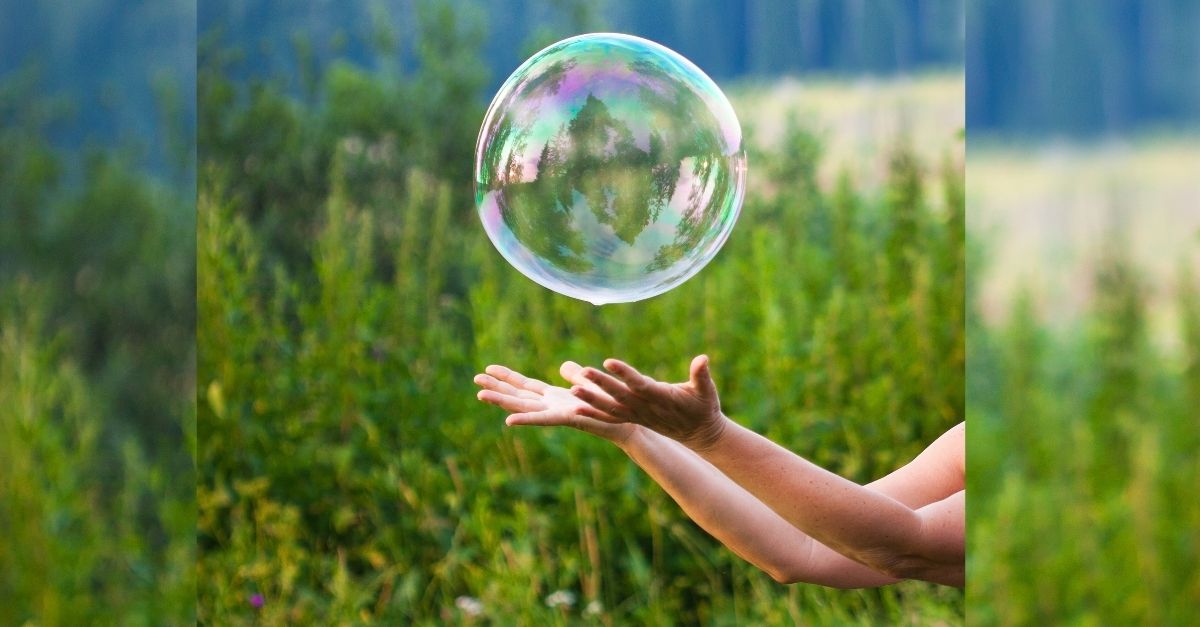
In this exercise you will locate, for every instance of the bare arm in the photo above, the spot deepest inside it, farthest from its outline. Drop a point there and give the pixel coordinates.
(742, 522)
(721, 507)
(909, 524)
(866, 525)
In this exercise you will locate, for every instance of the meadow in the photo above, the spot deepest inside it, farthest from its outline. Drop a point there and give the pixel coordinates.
(347, 295)
(1049, 215)
(1083, 379)
(97, 449)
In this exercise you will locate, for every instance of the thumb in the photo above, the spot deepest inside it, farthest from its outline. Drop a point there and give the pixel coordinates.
(701, 378)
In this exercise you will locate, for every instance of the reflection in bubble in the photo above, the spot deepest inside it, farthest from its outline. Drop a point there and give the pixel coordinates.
(609, 168)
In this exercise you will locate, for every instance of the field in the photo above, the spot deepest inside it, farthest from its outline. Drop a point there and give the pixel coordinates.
(97, 342)
(347, 295)
(1048, 215)
(858, 119)
(1083, 378)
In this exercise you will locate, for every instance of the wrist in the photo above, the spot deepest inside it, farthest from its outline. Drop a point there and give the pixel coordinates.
(634, 440)
(707, 438)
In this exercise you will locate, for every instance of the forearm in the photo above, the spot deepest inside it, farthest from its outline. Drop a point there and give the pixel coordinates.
(740, 521)
(866, 526)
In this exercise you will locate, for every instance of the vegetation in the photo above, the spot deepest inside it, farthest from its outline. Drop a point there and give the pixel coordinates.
(97, 490)
(1081, 458)
(347, 295)
(1080, 69)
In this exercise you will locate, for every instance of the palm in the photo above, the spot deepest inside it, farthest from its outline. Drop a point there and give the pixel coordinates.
(556, 401)
(534, 402)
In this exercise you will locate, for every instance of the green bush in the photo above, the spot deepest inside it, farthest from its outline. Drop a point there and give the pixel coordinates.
(97, 491)
(1082, 464)
(76, 549)
(347, 473)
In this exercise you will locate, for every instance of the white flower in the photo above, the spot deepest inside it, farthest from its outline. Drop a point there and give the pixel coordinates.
(352, 145)
(594, 608)
(560, 598)
(469, 605)
(375, 153)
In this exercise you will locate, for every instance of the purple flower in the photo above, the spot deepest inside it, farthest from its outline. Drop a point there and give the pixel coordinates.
(256, 601)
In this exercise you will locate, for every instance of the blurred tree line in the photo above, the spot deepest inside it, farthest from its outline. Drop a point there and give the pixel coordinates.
(1081, 67)
(1073, 66)
(124, 72)
(729, 39)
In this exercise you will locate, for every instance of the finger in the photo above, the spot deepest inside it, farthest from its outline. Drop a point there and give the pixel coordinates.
(553, 418)
(608, 383)
(516, 379)
(636, 381)
(545, 418)
(701, 378)
(591, 411)
(489, 382)
(513, 404)
(573, 372)
(601, 402)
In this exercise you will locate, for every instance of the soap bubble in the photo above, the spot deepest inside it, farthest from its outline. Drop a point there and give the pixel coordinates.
(609, 168)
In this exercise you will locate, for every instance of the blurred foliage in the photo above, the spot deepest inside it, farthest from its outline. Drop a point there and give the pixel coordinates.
(1081, 69)
(78, 549)
(730, 39)
(119, 68)
(1082, 463)
(112, 250)
(96, 345)
(347, 295)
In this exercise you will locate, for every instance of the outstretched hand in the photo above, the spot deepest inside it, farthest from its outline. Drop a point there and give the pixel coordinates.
(612, 406)
(537, 403)
(689, 412)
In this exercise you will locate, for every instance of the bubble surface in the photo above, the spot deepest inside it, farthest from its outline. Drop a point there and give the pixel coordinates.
(609, 168)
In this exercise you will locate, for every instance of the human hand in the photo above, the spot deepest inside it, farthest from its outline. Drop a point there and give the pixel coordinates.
(537, 403)
(688, 412)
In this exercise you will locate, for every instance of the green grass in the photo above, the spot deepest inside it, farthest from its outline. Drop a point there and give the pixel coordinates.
(97, 483)
(1047, 215)
(345, 299)
(1081, 451)
(95, 531)
(349, 475)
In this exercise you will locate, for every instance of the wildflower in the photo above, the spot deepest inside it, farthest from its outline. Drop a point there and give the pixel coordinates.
(561, 598)
(352, 145)
(469, 605)
(256, 601)
(594, 608)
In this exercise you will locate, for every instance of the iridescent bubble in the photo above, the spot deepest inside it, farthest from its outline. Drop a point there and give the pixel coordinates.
(609, 168)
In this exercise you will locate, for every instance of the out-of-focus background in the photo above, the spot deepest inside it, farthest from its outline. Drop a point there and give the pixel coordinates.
(97, 313)
(1083, 374)
(348, 294)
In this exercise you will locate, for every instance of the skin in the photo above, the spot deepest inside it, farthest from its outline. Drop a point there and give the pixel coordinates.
(782, 513)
